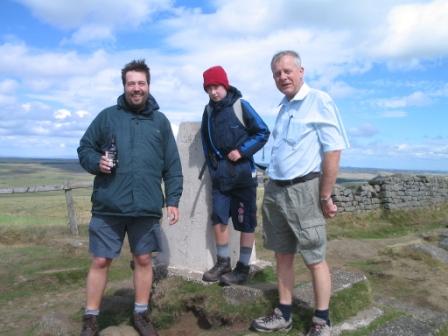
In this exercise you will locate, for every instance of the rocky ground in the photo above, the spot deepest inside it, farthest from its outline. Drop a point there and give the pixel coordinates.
(409, 275)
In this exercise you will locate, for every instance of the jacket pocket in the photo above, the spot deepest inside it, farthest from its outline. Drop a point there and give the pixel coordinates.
(230, 175)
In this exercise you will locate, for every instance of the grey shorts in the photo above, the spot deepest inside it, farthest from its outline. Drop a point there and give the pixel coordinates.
(293, 221)
(106, 235)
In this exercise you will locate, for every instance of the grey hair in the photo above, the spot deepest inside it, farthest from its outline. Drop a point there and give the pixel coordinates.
(282, 53)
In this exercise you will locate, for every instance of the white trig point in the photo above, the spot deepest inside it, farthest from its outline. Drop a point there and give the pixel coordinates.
(188, 247)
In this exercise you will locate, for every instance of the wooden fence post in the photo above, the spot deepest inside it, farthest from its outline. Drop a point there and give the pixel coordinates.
(72, 223)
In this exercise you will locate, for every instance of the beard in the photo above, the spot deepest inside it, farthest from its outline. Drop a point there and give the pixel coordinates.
(136, 101)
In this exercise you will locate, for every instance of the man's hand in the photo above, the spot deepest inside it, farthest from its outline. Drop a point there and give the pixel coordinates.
(329, 209)
(173, 214)
(234, 155)
(105, 165)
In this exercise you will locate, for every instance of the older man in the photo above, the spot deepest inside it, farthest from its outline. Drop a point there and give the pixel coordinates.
(307, 141)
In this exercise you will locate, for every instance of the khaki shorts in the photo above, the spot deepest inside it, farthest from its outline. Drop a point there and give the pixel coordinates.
(293, 221)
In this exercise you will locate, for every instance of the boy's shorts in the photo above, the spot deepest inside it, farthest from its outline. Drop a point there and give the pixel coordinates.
(239, 204)
(293, 221)
(106, 235)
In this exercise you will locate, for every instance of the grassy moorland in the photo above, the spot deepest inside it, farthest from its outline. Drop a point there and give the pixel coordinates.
(43, 267)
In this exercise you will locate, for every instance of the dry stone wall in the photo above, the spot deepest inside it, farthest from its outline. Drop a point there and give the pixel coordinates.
(397, 191)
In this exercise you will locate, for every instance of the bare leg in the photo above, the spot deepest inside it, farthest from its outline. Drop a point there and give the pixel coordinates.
(247, 239)
(321, 284)
(285, 277)
(221, 234)
(96, 281)
(142, 278)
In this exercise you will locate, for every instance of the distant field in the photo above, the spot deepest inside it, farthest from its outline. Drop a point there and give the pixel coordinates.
(16, 172)
(24, 172)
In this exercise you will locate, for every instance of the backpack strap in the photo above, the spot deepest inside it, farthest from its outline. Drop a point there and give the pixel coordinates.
(238, 110)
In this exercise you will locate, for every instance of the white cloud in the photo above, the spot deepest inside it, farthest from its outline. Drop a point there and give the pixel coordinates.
(82, 113)
(46, 65)
(62, 114)
(91, 32)
(95, 20)
(414, 99)
(416, 30)
(8, 86)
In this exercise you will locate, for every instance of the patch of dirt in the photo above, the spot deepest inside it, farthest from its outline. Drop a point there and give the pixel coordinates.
(396, 273)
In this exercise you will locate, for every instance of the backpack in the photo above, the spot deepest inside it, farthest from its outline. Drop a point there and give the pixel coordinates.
(238, 110)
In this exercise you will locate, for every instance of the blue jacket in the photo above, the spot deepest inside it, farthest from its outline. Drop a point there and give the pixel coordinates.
(222, 132)
(147, 154)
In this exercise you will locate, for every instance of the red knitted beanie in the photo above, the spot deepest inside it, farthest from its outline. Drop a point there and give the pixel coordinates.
(215, 76)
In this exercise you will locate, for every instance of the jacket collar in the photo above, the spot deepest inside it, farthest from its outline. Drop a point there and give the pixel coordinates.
(300, 95)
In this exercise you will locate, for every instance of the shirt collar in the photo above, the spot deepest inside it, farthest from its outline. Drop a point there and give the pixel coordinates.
(301, 95)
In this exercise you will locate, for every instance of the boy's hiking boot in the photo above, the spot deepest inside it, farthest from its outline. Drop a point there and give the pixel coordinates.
(221, 267)
(89, 325)
(319, 328)
(143, 325)
(238, 276)
(273, 322)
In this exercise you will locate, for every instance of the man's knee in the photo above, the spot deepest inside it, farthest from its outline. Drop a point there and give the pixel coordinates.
(144, 260)
(101, 262)
(316, 267)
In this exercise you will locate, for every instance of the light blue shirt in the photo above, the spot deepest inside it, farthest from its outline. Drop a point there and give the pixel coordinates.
(306, 127)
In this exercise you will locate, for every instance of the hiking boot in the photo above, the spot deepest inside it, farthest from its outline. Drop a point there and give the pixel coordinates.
(89, 325)
(319, 328)
(143, 325)
(238, 276)
(221, 267)
(273, 322)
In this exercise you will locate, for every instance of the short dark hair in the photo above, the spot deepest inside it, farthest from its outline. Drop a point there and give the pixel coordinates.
(135, 65)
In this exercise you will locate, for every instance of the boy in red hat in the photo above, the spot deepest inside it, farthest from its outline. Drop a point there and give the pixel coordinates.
(232, 132)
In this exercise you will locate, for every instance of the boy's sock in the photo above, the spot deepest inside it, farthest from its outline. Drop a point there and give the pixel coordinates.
(245, 253)
(286, 310)
(324, 315)
(223, 250)
(88, 311)
(140, 307)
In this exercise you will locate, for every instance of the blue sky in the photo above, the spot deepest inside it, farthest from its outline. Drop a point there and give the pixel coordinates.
(384, 62)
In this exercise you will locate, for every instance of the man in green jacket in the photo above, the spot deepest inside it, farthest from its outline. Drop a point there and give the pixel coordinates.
(127, 193)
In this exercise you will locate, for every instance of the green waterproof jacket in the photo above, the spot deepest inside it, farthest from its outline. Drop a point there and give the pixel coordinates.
(147, 154)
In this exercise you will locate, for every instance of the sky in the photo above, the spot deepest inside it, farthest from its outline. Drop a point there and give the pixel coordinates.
(384, 62)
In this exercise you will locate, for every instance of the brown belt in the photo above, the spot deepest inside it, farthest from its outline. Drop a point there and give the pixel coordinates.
(300, 179)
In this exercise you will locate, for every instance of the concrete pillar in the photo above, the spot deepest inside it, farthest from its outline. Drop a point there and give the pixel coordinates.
(189, 245)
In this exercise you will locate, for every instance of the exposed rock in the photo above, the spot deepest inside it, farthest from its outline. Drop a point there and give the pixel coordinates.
(52, 324)
(121, 330)
(362, 319)
(404, 326)
(434, 252)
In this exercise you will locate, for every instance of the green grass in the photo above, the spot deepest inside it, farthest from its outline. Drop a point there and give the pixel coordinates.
(387, 224)
(18, 173)
(33, 264)
(443, 331)
(266, 275)
(29, 269)
(349, 302)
